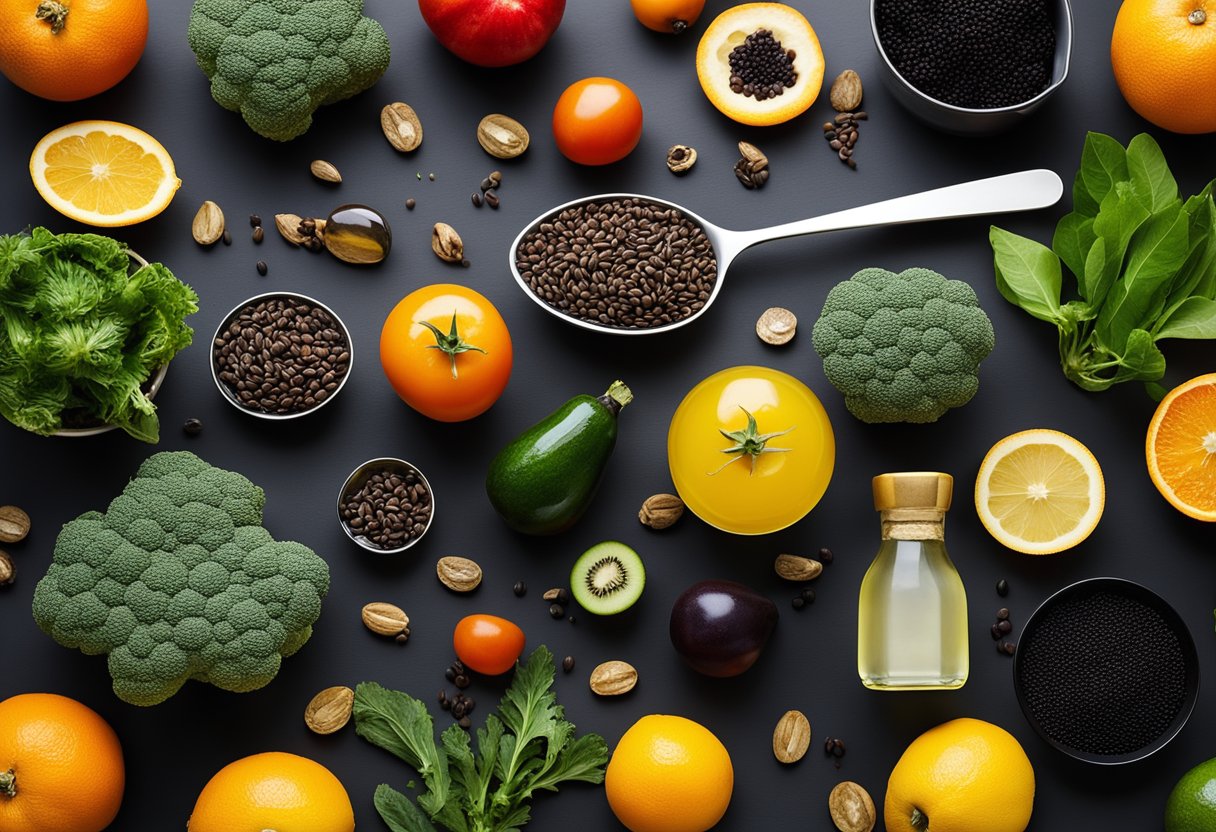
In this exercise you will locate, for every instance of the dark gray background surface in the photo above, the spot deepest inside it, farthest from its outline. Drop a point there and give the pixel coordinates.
(174, 748)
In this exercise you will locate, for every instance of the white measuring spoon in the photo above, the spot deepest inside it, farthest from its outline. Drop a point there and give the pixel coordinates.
(1022, 191)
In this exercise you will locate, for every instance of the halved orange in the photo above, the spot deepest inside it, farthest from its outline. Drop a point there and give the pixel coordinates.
(760, 63)
(1181, 448)
(103, 173)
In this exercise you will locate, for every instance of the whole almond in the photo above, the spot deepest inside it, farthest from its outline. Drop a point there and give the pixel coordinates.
(208, 225)
(289, 227)
(446, 243)
(613, 678)
(852, 808)
(661, 511)
(845, 94)
(325, 171)
(458, 574)
(401, 126)
(796, 568)
(791, 737)
(330, 710)
(14, 524)
(385, 619)
(502, 136)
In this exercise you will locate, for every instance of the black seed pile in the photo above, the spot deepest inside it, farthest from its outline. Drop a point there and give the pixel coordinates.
(281, 355)
(761, 67)
(1102, 673)
(390, 509)
(625, 263)
(980, 54)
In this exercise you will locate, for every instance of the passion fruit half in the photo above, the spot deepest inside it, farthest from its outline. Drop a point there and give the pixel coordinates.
(760, 63)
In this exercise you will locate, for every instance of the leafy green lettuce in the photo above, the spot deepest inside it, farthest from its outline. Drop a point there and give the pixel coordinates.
(1143, 258)
(80, 334)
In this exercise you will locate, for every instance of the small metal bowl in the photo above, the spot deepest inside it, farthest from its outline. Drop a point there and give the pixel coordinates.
(359, 477)
(230, 395)
(969, 121)
(1149, 599)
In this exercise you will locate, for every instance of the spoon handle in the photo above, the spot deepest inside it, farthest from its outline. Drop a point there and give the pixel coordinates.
(1022, 191)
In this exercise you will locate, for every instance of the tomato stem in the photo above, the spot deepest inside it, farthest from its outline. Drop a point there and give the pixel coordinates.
(919, 820)
(750, 443)
(8, 783)
(451, 343)
(55, 12)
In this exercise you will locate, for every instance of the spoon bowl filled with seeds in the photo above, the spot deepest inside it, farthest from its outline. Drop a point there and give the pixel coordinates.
(630, 264)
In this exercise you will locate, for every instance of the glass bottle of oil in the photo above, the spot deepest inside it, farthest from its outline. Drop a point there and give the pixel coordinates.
(912, 614)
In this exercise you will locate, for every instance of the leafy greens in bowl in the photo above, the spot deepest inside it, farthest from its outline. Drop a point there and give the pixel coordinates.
(81, 334)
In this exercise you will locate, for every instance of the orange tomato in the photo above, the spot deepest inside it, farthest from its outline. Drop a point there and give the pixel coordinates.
(69, 56)
(597, 121)
(488, 644)
(455, 368)
(61, 766)
(669, 16)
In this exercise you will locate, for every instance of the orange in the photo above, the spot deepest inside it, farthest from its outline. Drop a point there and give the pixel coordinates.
(66, 50)
(668, 16)
(273, 791)
(103, 173)
(61, 766)
(1164, 56)
(669, 774)
(1181, 448)
(961, 776)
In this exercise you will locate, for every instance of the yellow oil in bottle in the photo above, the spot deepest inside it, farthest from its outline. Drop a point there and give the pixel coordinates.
(912, 610)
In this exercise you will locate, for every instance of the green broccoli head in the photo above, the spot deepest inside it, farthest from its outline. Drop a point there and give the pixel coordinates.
(276, 61)
(902, 347)
(178, 580)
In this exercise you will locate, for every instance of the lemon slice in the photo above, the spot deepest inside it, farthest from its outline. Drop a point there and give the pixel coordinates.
(103, 173)
(1039, 491)
(1181, 448)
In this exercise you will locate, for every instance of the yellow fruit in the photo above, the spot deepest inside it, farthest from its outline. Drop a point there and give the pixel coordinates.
(1181, 448)
(1039, 492)
(103, 173)
(273, 791)
(964, 775)
(729, 31)
(669, 774)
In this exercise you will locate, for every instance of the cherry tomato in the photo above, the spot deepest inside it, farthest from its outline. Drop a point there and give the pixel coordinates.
(776, 462)
(487, 644)
(670, 16)
(455, 368)
(597, 121)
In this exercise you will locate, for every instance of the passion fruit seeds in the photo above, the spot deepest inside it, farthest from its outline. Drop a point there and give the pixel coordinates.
(761, 67)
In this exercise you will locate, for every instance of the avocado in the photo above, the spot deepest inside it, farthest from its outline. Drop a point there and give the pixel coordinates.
(543, 481)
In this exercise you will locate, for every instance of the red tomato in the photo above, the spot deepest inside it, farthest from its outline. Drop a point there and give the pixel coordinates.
(447, 379)
(488, 644)
(597, 121)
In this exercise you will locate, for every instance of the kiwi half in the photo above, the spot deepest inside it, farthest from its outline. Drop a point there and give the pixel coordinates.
(607, 578)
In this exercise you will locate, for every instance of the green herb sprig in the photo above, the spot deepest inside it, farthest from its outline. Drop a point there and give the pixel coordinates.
(1144, 261)
(526, 746)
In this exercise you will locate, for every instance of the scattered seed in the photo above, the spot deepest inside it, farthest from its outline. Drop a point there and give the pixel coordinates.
(227, 238)
(1002, 614)
(258, 234)
(254, 221)
(808, 595)
(996, 633)
(681, 158)
(208, 226)
(520, 589)
(1008, 648)
(568, 664)
(1002, 587)
(791, 737)
(826, 556)
(557, 610)
(491, 198)
(431, 176)
(262, 268)
(476, 199)
(798, 603)
(1005, 627)
(613, 678)
(192, 427)
(558, 594)
(325, 171)
(410, 203)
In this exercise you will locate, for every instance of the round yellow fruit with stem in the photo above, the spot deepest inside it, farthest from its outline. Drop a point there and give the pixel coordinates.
(103, 173)
(1039, 492)
(669, 774)
(1181, 448)
(962, 776)
(273, 791)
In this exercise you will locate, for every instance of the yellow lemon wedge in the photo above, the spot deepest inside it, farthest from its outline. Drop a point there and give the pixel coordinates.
(1181, 448)
(1039, 492)
(103, 173)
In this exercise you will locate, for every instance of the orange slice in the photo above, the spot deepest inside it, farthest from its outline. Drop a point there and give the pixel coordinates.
(1181, 448)
(103, 173)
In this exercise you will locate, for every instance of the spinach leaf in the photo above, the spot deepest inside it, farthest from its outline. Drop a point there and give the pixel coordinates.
(399, 812)
(1120, 217)
(1195, 317)
(1027, 274)
(1072, 241)
(1149, 174)
(1103, 163)
(1141, 360)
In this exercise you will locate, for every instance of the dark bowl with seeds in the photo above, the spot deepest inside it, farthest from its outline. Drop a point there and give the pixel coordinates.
(386, 505)
(281, 355)
(981, 68)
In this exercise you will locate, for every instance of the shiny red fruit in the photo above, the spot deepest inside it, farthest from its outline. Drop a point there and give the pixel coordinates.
(493, 32)
(487, 644)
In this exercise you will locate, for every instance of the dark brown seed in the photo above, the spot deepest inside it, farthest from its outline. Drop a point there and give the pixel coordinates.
(1008, 648)
(1002, 614)
(568, 664)
(410, 203)
(487, 184)
(495, 177)
(465, 723)
(808, 595)
(826, 556)
(431, 176)
(557, 610)
(828, 127)
(861, 115)
(491, 199)
(255, 221)
(838, 748)
(520, 589)
(258, 234)
(798, 602)
(227, 238)
(1005, 627)
(835, 144)
(851, 162)
(461, 681)
(1002, 587)
(192, 427)
(443, 700)
(476, 199)
(262, 267)
(996, 633)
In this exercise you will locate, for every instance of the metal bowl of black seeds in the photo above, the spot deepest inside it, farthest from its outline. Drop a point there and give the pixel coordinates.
(281, 355)
(386, 505)
(1106, 671)
(978, 67)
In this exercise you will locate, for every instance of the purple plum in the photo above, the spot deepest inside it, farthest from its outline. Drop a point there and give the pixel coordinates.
(720, 627)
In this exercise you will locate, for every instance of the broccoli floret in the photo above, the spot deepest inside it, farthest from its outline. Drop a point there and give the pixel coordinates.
(902, 347)
(276, 61)
(178, 580)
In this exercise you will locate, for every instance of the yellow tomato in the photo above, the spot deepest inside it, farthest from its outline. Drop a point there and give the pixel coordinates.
(759, 480)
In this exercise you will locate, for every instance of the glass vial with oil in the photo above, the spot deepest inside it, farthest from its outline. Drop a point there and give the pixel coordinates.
(912, 613)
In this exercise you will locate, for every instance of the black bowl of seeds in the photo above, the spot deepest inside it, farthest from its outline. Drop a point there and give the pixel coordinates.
(972, 66)
(281, 355)
(1106, 671)
(386, 505)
